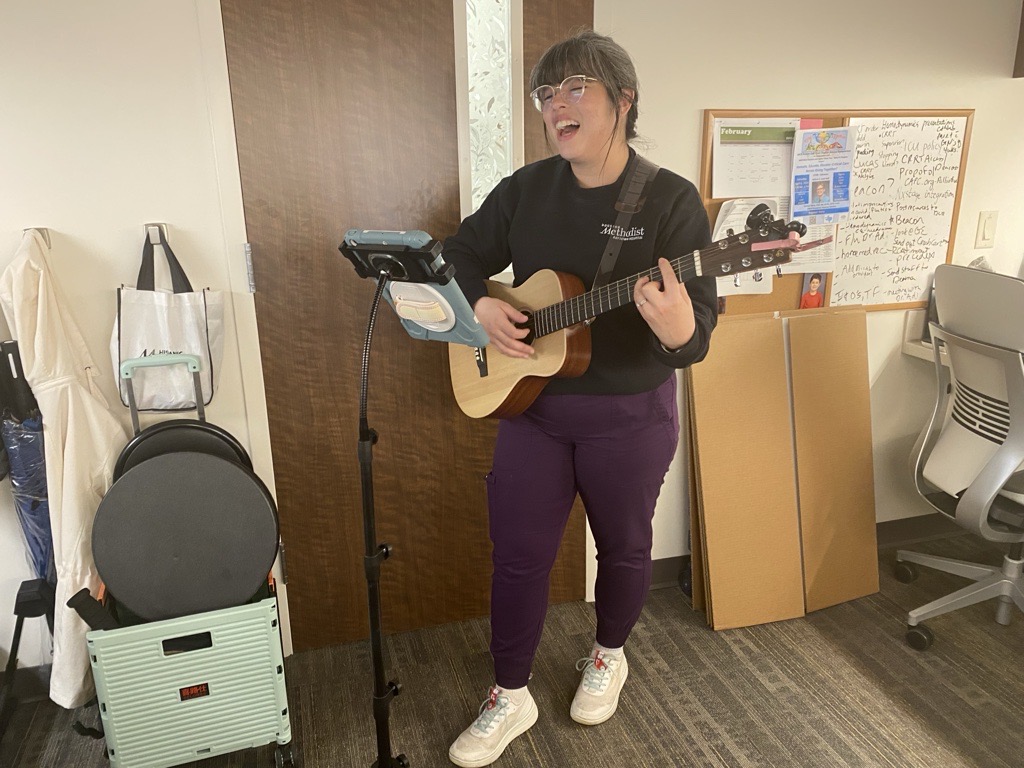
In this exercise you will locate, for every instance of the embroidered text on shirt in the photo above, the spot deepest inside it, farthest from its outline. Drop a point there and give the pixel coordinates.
(620, 233)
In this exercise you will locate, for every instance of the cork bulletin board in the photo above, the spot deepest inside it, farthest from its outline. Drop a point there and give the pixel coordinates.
(905, 199)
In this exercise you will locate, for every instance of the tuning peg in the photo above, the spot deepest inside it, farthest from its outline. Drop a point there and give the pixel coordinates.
(730, 232)
(778, 270)
(797, 226)
(736, 280)
(760, 216)
(758, 277)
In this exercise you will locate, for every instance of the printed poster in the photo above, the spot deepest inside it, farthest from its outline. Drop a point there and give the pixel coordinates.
(822, 167)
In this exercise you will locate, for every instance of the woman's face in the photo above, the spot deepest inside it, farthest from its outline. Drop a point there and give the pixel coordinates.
(582, 132)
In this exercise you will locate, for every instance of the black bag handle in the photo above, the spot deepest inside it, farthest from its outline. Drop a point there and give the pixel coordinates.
(146, 281)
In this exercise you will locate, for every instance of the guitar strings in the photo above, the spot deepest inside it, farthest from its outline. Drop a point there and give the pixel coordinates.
(579, 308)
(563, 314)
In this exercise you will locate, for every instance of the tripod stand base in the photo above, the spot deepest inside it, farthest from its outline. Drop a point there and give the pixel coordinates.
(395, 762)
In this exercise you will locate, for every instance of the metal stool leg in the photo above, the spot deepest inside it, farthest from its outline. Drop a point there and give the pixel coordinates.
(7, 701)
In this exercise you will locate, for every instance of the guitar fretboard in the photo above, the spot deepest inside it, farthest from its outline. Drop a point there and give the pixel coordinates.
(578, 309)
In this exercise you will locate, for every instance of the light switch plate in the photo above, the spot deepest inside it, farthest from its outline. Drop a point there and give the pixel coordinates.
(986, 236)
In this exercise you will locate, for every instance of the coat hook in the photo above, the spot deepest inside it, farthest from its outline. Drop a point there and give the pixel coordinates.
(153, 232)
(42, 231)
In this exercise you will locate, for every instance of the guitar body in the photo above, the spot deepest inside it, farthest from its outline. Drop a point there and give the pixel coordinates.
(511, 383)
(508, 385)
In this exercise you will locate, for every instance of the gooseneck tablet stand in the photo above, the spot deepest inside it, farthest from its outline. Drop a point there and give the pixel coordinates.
(383, 690)
(430, 306)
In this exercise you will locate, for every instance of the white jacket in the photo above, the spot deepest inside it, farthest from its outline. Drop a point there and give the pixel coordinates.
(82, 441)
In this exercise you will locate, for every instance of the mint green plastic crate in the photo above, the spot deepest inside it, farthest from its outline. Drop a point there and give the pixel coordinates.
(185, 689)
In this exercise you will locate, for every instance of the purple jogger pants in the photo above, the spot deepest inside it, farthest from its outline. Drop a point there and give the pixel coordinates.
(614, 450)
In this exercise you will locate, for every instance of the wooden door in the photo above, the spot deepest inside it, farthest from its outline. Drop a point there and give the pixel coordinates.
(345, 117)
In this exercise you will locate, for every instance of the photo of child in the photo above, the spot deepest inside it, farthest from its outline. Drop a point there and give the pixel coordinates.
(813, 296)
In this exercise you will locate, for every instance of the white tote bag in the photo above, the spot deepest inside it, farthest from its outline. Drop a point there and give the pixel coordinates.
(160, 322)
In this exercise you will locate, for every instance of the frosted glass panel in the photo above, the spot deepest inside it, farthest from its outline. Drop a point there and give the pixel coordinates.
(489, 53)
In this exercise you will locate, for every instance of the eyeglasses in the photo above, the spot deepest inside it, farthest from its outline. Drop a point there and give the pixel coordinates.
(572, 89)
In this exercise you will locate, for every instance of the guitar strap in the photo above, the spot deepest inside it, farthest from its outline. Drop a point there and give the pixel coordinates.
(632, 196)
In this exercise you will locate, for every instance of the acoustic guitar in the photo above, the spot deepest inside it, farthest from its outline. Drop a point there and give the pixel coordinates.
(495, 385)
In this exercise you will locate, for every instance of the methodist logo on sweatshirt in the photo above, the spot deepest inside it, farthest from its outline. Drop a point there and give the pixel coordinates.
(621, 233)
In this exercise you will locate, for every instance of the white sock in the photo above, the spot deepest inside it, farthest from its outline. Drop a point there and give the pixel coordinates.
(516, 695)
(614, 652)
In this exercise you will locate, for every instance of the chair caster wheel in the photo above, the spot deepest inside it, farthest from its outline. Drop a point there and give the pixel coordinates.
(283, 756)
(905, 572)
(920, 638)
(686, 581)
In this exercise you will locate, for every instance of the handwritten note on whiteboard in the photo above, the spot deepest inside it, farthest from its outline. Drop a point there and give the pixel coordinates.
(903, 193)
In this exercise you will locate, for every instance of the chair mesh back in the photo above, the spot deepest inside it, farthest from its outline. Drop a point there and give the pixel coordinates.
(988, 308)
(981, 414)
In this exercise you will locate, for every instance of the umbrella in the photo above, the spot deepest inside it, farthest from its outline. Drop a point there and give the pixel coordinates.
(21, 430)
(24, 443)
(83, 439)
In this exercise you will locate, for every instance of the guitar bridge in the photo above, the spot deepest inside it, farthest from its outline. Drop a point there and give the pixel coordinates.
(481, 360)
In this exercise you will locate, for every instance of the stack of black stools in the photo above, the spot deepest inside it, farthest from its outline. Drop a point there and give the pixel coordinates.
(186, 647)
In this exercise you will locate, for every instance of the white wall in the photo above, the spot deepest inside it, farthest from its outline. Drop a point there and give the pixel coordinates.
(116, 113)
(873, 54)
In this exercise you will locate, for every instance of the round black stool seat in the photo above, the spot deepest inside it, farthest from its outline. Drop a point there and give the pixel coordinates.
(180, 435)
(183, 533)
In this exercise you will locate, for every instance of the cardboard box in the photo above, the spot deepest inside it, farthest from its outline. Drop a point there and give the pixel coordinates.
(832, 423)
(782, 511)
(745, 476)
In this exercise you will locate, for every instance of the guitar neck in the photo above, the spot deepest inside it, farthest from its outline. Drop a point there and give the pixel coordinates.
(578, 309)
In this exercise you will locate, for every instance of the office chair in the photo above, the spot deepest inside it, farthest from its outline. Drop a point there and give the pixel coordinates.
(969, 460)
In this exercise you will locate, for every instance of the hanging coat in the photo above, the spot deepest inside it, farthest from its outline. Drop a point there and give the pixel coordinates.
(82, 439)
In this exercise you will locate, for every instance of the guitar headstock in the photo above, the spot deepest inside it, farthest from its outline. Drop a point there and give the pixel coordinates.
(765, 243)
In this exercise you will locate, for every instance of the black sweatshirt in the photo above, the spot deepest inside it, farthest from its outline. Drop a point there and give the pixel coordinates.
(540, 218)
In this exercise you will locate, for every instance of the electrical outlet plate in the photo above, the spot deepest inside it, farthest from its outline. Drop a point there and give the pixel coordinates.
(986, 235)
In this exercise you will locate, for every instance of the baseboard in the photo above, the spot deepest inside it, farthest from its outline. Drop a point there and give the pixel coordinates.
(31, 683)
(913, 530)
(665, 572)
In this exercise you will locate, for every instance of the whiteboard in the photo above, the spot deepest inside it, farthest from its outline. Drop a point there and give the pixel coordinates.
(903, 198)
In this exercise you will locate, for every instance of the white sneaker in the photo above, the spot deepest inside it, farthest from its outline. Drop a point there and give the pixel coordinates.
(597, 696)
(500, 720)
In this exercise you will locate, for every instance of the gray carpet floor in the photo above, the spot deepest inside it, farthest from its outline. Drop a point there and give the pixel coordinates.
(839, 687)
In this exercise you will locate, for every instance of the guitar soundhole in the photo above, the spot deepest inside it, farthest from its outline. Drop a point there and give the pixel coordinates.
(528, 325)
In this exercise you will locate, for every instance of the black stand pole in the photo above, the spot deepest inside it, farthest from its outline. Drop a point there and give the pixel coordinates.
(383, 690)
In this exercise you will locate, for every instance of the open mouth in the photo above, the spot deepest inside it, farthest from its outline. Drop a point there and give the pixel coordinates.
(566, 129)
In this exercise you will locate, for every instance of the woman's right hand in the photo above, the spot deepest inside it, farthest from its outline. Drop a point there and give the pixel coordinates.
(499, 318)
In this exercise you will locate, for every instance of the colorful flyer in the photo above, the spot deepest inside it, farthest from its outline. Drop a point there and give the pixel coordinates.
(822, 165)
